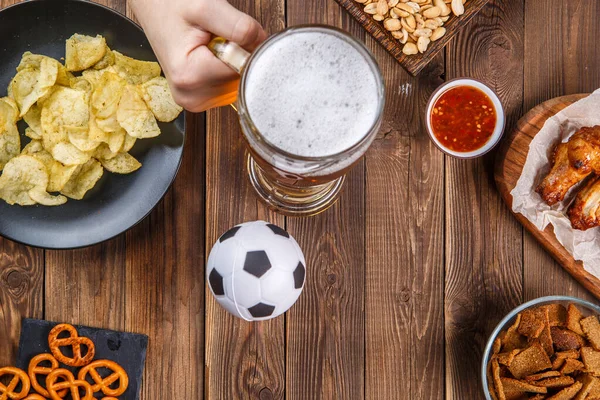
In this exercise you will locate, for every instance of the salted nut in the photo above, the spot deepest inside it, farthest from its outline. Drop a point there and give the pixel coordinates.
(415, 24)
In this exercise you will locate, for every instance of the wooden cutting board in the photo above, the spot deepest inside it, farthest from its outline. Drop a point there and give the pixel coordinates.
(414, 63)
(509, 164)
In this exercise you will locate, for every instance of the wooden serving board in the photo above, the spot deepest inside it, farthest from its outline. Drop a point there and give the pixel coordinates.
(509, 165)
(415, 63)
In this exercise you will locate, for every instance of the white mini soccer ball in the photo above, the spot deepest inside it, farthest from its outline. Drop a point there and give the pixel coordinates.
(256, 271)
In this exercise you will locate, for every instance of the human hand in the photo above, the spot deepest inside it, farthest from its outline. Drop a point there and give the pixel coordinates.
(179, 32)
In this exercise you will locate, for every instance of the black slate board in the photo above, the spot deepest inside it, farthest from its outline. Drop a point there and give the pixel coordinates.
(126, 349)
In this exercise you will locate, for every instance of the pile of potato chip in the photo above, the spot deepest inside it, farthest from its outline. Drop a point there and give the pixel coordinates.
(550, 352)
(79, 125)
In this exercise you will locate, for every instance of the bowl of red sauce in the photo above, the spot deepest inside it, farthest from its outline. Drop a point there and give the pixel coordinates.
(465, 118)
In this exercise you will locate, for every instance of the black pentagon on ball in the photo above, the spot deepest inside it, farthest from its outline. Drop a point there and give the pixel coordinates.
(216, 282)
(299, 274)
(278, 231)
(257, 263)
(261, 310)
(229, 234)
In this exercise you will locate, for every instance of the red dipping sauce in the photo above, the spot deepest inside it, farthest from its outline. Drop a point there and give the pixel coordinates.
(463, 119)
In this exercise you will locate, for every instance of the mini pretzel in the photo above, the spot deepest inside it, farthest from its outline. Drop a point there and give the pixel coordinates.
(75, 342)
(18, 376)
(35, 396)
(103, 384)
(109, 398)
(68, 382)
(35, 369)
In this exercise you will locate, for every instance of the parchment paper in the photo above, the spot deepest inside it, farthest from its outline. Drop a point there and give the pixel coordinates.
(584, 246)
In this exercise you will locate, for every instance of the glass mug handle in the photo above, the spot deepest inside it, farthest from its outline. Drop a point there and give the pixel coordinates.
(230, 53)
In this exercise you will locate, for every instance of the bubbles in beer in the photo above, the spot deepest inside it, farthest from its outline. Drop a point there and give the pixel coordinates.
(312, 94)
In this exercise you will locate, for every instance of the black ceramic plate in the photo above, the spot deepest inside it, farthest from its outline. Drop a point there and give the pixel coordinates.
(117, 202)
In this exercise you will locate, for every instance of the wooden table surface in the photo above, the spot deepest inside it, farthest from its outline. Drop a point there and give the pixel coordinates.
(407, 274)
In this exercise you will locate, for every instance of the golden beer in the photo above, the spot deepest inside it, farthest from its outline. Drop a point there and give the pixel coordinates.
(310, 104)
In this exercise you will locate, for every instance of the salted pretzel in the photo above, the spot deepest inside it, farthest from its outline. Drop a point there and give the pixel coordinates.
(75, 342)
(18, 376)
(104, 384)
(67, 381)
(35, 369)
(109, 398)
(35, 396)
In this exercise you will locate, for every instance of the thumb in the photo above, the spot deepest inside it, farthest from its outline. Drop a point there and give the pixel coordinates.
(222, 19)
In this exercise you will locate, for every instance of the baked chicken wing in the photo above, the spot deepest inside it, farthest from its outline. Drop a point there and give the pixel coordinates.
(584, 213)
(561, 177)
(584, 150)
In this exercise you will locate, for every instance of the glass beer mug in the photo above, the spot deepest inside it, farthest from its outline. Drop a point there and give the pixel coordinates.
(310, 103)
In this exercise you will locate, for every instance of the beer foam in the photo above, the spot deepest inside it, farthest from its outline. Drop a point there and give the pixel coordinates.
(312, 94)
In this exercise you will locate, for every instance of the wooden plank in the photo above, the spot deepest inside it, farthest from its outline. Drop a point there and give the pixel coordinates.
(21, 293)
(87, 286)
(483, 240)
(164, 289)
(405, 245)
(243, 360)
(510, 161)
(559, 59)
(414, 64)
(325, 329)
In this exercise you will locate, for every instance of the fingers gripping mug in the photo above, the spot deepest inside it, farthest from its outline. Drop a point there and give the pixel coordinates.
(310, 103)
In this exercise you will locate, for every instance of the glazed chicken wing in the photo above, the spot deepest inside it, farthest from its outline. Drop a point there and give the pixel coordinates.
(561, 177)
(584, 150)
(584, 213)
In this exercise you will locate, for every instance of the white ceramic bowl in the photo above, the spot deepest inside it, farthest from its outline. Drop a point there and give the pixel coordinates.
(500, 117)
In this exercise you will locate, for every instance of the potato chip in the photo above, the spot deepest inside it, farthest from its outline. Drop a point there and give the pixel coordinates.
(106, 95)
(79, 137)
(83, 179)
(10, 143)
(107, 60)
(82, 52)
(92, 76)
(30, 84)
(80, 83)
(103, 152)
(65, 111)
(160, 100)
(58, 174)
(135, 71)
(67, 107)
(68, 154)
(110, 124)
(34, 61)
(133, 115)
(123, 163)
(33, 119)
(9, 111)
(128, 143)
(115, 140)
(46, 199)
(95, 133)
(22, 174)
